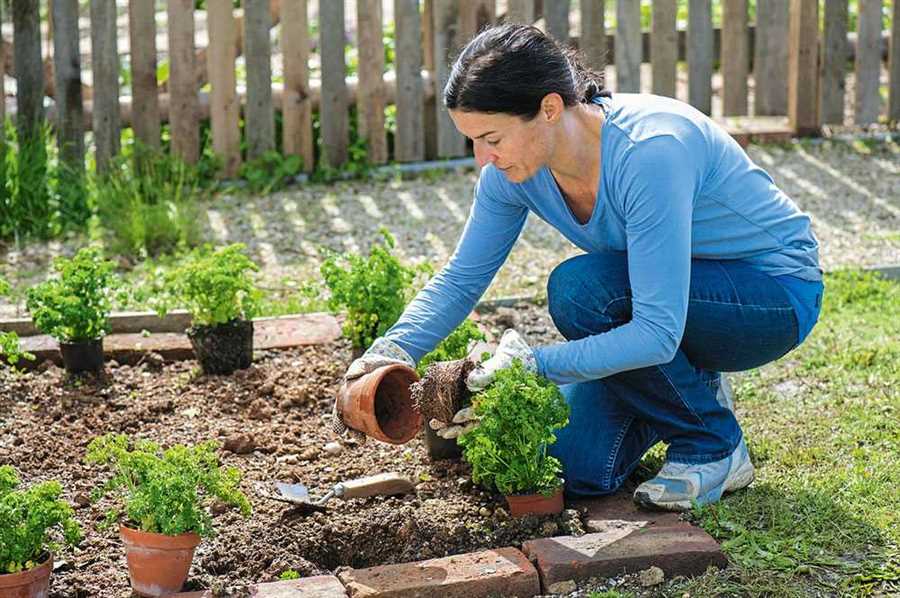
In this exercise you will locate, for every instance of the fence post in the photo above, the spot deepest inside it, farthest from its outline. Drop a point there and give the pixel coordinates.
(29, 69)
(834, 62)
(735, 57)
(700, 52)
(260, 115)
(629, 46)
(105, 70)
(224, 105)
(663, 47)
(868, 62)
(770, 57)
(370, 91)
(184, 123)
(144, 86)
(409, 141)
(802, 73)
(593, 34)
(67, 72)
(522, 11)
(432, 101)
(450, 143)
(297, 105)
(333, 106)
(556, 19)
(894, 66)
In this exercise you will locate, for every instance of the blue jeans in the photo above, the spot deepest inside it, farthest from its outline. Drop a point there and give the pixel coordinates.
(738, 318)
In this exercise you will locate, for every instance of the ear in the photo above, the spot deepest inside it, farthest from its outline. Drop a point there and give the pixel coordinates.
(552, 107)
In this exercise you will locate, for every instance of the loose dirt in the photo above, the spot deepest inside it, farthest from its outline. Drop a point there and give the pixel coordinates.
(442, 390)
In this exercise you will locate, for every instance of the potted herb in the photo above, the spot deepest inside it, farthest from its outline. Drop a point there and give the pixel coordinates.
(74, 307)
(165, 495)
(217, 288)
(10, 351)
(372, 290)
(518, 414)
(28, 520)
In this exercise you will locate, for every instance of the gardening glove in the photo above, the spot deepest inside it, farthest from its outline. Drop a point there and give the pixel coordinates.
(381, 352)
(512, 346)
(464, 420)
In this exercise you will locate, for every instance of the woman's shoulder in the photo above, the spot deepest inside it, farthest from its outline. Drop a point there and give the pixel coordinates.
(642, 116)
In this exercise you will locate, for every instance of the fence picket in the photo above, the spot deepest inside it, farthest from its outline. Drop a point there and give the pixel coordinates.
(450, 143)
(663, 47)
(833, 74)
(868, 62)
(223, 100)
(629, 46)
(770, 57)
(735, 57)
(593, 33)
(333, 107)
(409, 142)
(370, 92)
(183, 116)
(700, 53)
(894, 66)
(297, 104)
(521, 11)
(431, 99)
(144, 87)
(105, 71)
(260, 112)
(67, 71)
(802, 75)
(556, 18)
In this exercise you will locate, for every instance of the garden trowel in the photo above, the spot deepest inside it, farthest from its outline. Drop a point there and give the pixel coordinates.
(384, 484)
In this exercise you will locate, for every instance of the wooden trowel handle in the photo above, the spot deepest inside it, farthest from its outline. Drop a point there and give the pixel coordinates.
(383, 484)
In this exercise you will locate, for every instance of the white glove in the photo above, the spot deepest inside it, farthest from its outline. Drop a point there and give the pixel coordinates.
(382, 352)
(512, 346)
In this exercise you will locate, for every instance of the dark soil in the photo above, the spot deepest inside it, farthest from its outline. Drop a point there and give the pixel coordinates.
(223, 348)
(442, 391)
(273, 422)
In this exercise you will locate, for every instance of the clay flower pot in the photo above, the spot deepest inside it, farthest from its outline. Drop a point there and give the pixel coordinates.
(535, 504)
(82, 356)
(223, 348)
(380, 404)
(158, 564)
(32, 583)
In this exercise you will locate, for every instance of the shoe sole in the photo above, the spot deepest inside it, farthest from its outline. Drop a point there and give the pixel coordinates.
(742, 478)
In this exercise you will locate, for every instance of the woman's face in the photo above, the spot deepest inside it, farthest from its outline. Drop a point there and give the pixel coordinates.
(517, 147)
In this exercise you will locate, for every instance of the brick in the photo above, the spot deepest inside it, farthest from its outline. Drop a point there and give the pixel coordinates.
(504, 571)
(625, 539)
(322, 586)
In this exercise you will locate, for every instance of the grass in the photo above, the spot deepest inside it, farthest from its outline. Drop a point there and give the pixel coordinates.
(823, 517)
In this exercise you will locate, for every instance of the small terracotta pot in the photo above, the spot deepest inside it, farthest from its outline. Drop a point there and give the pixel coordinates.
(82, 356)
(158, 564)
(33, 583)
(380, 404)
(535, 504)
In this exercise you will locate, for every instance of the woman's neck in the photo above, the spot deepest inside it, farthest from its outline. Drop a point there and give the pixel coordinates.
(576, 155)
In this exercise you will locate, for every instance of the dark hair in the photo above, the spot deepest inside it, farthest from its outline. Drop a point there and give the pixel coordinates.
(510, 68)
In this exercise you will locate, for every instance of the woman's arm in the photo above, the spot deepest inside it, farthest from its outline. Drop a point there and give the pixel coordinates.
(658, 182)
(490, 232)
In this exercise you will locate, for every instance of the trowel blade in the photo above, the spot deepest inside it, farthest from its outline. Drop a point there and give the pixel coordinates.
(297, 493)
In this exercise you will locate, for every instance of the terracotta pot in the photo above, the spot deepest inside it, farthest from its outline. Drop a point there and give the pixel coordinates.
(380, 404)
(82, 356)
(535, 504)
(223, 348)
(33, 583)
(158, 564)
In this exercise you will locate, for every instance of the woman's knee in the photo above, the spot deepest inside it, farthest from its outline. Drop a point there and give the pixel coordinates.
(589, 294)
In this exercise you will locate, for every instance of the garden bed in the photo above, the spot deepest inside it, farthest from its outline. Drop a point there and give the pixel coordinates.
(273, 420)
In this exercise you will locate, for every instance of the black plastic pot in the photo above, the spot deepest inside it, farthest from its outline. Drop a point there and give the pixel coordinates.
(82, 356)
(440, 448)
(223, 348)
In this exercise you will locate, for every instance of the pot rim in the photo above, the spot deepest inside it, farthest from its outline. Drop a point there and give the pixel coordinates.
(555, 491)
(90, 342)
(186, 540)
(20, 578)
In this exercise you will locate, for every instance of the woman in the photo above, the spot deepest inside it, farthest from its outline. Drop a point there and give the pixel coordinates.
(695, 263)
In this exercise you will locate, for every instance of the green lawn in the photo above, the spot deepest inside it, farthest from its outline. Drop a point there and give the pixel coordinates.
(823, 427)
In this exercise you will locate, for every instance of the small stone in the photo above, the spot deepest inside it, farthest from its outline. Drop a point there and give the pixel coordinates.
(549, 528)
(651, 577)
(240, 444)
(82, 500)
(154, 361)
(333, 448)
(267, 388)
(218, 507)
(259, 409)
(507, 317)
(500, 514)
(485, 512)
(562, 587)
(287, 459)
(309, 453)
(463, 484)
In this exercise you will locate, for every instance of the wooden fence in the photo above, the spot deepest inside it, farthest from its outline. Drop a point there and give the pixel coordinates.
(798, 71)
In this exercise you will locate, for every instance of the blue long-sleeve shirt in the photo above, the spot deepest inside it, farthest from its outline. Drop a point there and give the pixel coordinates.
(673, 186)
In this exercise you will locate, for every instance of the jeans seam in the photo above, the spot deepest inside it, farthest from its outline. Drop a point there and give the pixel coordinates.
(739, 304)
(681, 398)
(696, 459)
(614, 453)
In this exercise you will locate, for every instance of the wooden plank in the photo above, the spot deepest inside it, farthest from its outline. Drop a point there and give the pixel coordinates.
(105, 72)
(735, 57)
(29, 68)
(834, 62)
(556, 18)
(700, 53)
(802, 60)
(593, 34)
(770, 58)
(260, 112)
(225, 112)
(450, 143)
(184, 124)
(3, 59)
(67, 71)
(333, 110)
(474, 15)
(144, 87)
(628, 46)
(894, 66)
(868, 62)
(370, 91)
(297, 102)
(430, 110)
(409, 141)
(521, 11)
(663, 47)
